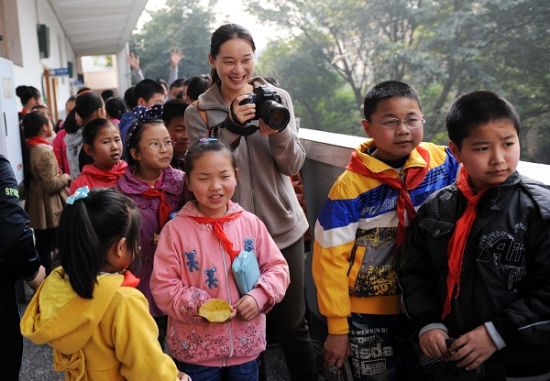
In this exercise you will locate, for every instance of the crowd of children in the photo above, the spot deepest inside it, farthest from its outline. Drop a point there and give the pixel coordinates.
(430, 262)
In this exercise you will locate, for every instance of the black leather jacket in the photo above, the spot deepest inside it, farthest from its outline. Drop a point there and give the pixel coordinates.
(505, 273)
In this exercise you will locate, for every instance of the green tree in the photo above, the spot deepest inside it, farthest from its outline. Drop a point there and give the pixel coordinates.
(322, 99)
(444, 48)
(182, 24)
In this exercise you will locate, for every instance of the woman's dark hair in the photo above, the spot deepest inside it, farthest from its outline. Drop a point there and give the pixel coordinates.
(198, 85)
(88, 229)
(223, 34)
(134, 136)
(86, 104)
(70, 124)
(200, 148)
(129, 98)
(33, 123)
(115, 107)
(25, 93)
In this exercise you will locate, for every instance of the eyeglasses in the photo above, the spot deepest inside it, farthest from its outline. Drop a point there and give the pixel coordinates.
(155, 146)
(393, 123)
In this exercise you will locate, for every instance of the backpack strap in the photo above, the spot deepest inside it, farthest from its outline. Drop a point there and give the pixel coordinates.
(212, 131)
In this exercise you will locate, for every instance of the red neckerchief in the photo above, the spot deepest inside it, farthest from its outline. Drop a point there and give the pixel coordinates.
(130, 280)
(164, 207)
(219, 232)
(414, 176)
(457, 243)
(107, 175)
(36, 140)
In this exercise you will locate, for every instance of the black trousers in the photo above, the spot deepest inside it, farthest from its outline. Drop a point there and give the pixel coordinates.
(45, 244)
(287, 322)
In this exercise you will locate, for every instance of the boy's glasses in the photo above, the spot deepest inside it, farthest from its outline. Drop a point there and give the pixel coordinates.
(155, 146)
(393, 123)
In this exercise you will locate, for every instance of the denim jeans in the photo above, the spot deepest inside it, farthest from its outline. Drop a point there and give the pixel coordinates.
(243, 372)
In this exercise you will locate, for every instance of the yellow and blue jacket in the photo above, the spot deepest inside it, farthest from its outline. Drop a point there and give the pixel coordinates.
(354, 250)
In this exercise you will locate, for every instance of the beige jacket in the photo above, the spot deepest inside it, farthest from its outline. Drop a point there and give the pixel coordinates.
(47, 192)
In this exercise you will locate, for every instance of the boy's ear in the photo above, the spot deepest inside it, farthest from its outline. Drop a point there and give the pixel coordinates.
(141, 102)
(455, 151)
(366, 127)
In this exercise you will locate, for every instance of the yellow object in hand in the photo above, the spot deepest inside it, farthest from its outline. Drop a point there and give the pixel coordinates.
(216, 310)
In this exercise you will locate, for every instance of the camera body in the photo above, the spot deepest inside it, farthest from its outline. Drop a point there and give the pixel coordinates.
(268, 107)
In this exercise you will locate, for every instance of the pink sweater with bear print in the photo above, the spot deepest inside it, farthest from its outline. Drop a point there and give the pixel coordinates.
(191, 267)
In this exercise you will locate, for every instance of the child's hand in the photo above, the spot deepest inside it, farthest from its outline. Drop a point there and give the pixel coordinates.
(336, 349)
(433, 343)
(247, 307)
(472, 348)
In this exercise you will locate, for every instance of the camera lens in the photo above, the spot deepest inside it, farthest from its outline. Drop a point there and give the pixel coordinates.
(275, 115)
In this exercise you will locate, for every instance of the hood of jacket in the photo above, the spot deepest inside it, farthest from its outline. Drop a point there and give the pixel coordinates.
(59, 317)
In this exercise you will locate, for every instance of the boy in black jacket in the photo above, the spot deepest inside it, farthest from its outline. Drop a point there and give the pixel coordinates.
(477, 264)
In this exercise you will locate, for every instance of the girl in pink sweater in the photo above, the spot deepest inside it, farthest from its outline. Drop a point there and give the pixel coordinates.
(193, 264)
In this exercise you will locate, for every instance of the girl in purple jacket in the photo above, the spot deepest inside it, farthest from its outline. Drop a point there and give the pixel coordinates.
(193, 265)
(156, 188)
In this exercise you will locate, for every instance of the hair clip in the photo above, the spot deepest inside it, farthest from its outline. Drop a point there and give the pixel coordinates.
(207, 140)
(79, 194)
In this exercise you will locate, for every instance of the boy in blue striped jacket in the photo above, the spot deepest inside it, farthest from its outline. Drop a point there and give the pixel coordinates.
(363, 225)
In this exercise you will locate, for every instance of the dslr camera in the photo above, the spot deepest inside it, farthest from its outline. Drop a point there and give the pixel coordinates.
(268, 107)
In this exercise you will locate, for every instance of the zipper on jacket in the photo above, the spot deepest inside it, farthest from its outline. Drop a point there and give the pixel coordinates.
(228, 290)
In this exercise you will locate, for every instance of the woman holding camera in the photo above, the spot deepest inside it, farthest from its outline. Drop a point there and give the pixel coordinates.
(237, 109)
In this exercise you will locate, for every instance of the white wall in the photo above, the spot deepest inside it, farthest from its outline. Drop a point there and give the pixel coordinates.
(31, 13)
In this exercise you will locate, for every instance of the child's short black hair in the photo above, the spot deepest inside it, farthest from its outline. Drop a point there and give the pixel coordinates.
(106, 94)
(130, 98)
(174, 108)
(147, 88)
(177, 83)
(115, 107)
(385, 90)
(474, 109)
(198, 85)
(33, 123)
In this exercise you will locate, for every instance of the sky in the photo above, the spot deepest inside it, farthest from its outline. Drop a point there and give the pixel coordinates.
(228, 11)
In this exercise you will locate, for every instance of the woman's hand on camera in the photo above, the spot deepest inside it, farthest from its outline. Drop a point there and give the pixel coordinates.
(240, 114)
(265, 130)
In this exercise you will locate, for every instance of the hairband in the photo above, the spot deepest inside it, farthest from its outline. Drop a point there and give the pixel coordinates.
(207, 141)
(143, 114)
(79, 194)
